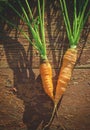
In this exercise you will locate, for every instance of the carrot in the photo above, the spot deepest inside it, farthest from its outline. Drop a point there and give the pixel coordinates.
(73, 33)
(46, 76)
(69, 61)
(36, 27)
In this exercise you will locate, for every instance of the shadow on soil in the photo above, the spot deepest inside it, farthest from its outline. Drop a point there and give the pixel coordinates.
(38, 106)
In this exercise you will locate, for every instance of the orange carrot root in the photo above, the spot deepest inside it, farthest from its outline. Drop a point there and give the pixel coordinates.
(69, 61)
(46, 76)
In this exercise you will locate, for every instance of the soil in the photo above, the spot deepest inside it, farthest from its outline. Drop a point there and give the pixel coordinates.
(27, 107)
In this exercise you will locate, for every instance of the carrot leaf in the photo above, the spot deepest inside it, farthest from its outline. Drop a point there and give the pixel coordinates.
(35, 25)
(79, 19)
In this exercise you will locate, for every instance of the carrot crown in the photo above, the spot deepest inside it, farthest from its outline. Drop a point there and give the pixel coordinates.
(74, 29)
(35, 25)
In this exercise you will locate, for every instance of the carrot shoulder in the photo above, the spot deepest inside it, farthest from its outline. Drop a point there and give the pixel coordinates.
(69, 61)
(46, 76)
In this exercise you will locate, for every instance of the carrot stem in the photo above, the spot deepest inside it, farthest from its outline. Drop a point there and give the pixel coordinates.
(73, 32)
(33, 26)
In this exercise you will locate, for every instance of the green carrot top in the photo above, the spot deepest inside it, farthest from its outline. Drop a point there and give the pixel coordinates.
(35, 26)
(79, 20)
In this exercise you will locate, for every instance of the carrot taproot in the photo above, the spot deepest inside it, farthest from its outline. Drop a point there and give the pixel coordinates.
(46, 76)
(64, 77)
(68, 63)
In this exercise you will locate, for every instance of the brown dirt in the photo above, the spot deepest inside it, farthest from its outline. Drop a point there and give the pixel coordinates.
(28, 108)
